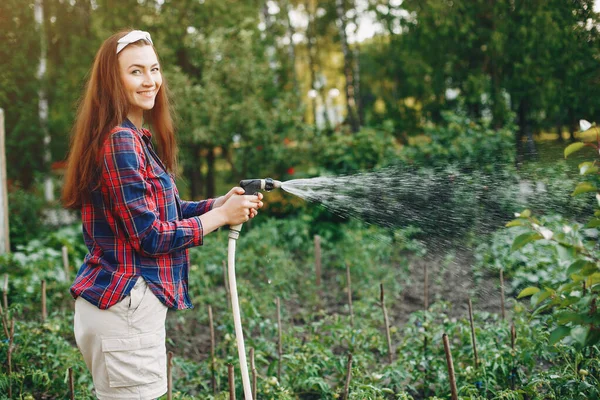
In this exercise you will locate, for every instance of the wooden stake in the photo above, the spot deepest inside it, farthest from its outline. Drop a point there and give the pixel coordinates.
(473, 334)
(348, 377)
(280, 341)
(169, 375)
(4, 230)
(426, 288)
(513, 339)
(226, 280)
(231, 382)
(254, 376)
(450, 367)
(502, 294)
(9, 357)
(318, 260)
(387, 325)
(71, 385)
(349, 281)
(65, 258)
(212, 351)
(4, 321)
(5, 292)
(44, 312)
(513, 335)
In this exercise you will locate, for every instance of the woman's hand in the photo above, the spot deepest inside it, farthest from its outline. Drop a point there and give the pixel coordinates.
(219, 201)
(239, 208)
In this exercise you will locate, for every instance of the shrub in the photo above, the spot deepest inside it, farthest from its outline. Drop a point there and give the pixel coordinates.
(471, 145)
(25, 210)
(347, 153)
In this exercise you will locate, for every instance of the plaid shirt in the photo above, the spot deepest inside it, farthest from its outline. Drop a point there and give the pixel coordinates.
(136, 225)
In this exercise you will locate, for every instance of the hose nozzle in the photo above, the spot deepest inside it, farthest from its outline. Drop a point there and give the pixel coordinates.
(252, 186)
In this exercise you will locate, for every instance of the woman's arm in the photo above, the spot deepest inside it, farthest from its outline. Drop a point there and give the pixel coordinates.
(132, 203)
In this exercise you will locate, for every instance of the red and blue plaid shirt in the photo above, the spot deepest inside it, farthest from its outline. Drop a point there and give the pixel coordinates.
(135, 225)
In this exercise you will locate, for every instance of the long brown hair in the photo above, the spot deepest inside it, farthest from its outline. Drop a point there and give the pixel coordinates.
(103, 106)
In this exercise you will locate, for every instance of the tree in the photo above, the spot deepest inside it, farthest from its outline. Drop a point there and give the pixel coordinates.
(19, 50)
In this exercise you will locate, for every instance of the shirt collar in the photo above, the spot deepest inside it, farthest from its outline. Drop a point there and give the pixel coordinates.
(144, 133)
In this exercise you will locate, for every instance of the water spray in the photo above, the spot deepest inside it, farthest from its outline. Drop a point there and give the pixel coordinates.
(251, 186)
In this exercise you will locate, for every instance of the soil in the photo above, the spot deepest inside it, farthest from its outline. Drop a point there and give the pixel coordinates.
(451, 281)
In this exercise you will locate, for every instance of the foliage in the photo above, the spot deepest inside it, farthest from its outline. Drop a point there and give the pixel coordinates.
(19, 48)
(572, 301)
(235, 105)
(274, 260)
(544, 264)
(468, 144)
(345, 153)
(42, 354)
(25, 216)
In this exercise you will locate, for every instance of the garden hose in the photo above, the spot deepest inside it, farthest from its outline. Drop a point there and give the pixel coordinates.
(250, 186)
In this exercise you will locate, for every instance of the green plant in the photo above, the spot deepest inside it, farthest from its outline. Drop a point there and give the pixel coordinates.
(26, 216)
(470, 145)
(573, 303)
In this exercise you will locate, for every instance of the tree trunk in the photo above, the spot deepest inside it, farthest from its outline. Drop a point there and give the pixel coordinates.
(524, 131)
(194, 173)
(311, 57)
(210, 174)
(356, 59)
(348, 70)
(285, 6)
(571, 124)
(43, 98)
(559, 131)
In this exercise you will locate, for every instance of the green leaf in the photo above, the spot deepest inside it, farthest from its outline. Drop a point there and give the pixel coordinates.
(558, 334)
(525, 238)
(526, 214)
(584, 187)
(572, 148)
(569, 316)
(579, 333)
(593, 223)
(540, 296)
(515, 222)
(590, 268)
(531, 290)
(593, 279)
(587, 168)
(576, 267)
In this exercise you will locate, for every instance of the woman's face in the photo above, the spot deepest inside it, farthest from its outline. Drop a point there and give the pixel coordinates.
(141, 76)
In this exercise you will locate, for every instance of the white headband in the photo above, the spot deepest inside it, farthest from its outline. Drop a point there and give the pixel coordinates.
(131, 37)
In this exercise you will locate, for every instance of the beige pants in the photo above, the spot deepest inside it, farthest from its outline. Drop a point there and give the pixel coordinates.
(124, 346)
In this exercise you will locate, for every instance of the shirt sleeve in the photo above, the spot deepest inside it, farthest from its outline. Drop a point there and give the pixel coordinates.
(123, 172)
(195, 208)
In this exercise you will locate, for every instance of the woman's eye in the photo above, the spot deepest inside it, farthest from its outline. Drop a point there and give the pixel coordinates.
(156, 69)
(136, 71)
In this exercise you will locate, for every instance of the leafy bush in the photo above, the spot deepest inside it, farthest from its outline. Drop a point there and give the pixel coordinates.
(25, 213)
(542, 264)
(573, 302)
(550, 188)
(347, 153)
(470, 145)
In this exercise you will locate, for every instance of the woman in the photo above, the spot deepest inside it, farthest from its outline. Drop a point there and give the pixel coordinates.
(135, 226)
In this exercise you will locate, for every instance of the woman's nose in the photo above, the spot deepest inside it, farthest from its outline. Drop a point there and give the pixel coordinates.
(148, 79)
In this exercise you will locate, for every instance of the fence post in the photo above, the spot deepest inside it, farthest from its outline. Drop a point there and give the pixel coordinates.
(4, 233)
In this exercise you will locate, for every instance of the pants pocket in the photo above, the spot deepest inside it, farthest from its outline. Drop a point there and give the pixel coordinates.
(135, 360)
(137, 294)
